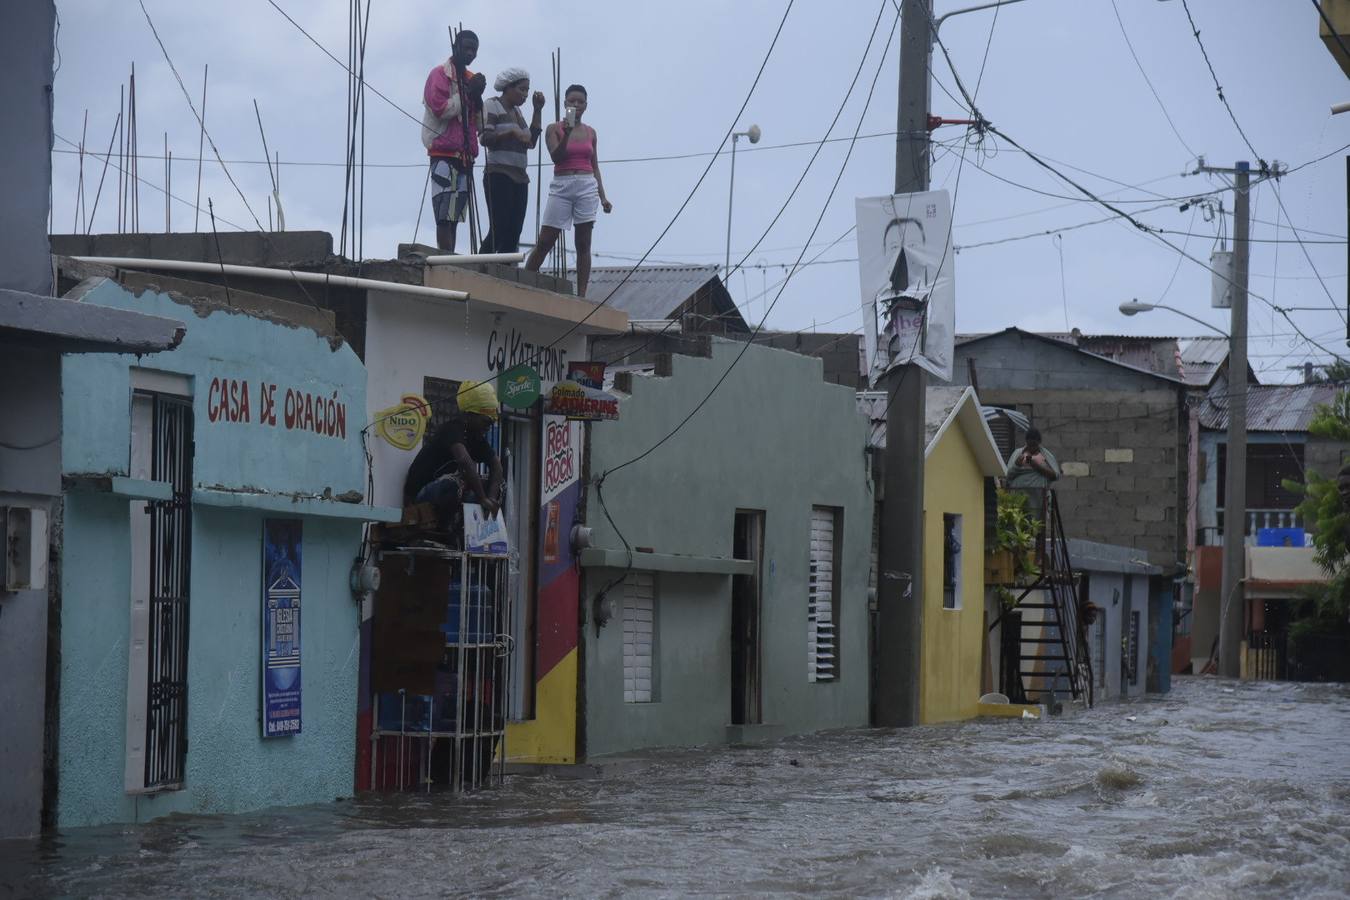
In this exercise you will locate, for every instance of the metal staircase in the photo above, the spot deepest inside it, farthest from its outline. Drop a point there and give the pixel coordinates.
(1048, 636)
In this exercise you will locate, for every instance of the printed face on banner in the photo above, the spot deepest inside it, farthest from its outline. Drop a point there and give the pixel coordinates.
(905, 267)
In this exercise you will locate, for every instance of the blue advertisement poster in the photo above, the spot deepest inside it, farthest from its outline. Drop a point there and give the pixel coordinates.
(281, 627)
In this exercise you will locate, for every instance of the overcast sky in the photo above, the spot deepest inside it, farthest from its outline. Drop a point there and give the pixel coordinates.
(667, 79)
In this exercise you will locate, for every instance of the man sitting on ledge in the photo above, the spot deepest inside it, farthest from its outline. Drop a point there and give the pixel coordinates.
(445, 471)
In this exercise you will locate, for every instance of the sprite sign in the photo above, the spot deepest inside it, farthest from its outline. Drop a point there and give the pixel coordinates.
(518, 386)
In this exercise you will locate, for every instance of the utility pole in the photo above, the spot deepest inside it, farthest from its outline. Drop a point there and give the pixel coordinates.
(1232, 602)
(899, 581)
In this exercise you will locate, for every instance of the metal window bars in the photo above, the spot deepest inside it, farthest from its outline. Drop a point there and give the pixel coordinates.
(170, 578)
(460, 729)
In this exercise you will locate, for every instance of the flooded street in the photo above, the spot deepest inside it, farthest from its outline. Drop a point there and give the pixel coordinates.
(1219, 789)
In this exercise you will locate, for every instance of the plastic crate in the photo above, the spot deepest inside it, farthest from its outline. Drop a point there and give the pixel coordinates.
(482, 625)
(404, 712)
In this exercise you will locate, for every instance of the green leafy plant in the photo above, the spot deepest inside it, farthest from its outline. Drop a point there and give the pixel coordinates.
(1328, 520)
(1015, 531)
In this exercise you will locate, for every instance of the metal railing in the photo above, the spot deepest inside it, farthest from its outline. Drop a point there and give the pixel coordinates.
(1057, 638)
(1267, 655)
(1212, 535)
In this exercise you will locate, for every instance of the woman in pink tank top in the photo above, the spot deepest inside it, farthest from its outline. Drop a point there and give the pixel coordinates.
(577, 192)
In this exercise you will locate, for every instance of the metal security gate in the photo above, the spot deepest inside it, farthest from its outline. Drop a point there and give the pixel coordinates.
(170, 577)
(441, 669)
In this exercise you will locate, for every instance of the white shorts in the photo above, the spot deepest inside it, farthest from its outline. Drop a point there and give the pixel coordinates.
(572, 200)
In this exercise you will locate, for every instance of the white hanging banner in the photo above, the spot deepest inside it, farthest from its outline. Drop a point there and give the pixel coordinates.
(906, 268)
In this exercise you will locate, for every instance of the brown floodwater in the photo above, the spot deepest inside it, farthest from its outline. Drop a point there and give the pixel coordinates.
(1219, 789)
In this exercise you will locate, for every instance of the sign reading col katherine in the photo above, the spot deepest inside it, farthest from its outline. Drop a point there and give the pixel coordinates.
(281, 627)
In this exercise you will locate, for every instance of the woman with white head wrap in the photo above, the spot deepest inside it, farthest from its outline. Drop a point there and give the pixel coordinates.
(506, 178)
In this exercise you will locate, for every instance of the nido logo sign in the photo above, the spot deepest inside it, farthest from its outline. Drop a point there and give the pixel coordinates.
(403, 425)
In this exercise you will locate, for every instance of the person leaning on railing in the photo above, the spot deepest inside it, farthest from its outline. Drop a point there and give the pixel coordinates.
(1032, 469)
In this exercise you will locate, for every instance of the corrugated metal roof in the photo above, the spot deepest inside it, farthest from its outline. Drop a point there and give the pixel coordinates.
(938, 405)
(1153, 354)
(1150, 355)
(1270, 407)
(650, 292)
(1201, 358)
(1194, 360)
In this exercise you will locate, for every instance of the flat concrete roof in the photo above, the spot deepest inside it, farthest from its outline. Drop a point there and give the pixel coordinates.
(590, 318)
(68, 326)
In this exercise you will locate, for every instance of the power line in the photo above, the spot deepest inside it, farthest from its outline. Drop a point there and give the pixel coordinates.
(687, 200)
(179, 78)
(1218, 88)
(1265, 167)
(668, 157)
(985, 125)
(1148, 81)
(726, 136)
(862, 62)
(1331, 28)
(759, 327)
(344, 66)
(111, 159)
(977, 129)
(1156, 234)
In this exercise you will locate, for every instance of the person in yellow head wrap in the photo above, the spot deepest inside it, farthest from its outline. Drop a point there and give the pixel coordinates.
(446, 471)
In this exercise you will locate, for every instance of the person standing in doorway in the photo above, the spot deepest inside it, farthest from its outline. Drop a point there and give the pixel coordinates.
(506, 176)
(452, 99)
(577, 192)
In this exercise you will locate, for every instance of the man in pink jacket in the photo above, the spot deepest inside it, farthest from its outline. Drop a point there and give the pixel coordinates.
(452, 101)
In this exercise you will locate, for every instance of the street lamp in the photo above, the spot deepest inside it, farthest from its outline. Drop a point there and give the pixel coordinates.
(1131, 307)
(753, 133)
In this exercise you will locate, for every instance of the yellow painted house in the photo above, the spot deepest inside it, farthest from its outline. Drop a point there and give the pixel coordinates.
(959, 454)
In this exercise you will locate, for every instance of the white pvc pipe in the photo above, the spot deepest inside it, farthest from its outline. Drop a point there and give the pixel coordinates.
(471, 258)
(182, 265)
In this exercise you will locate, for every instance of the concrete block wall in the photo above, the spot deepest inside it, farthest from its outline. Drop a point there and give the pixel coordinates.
(1324, 456)
(1123, 463)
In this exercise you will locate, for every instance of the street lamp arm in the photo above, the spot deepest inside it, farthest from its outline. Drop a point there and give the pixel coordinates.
(937, 23)
(1130, 307)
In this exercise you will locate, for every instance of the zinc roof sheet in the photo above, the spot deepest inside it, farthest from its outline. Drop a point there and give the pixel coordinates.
(1270, 407)
(650, 292)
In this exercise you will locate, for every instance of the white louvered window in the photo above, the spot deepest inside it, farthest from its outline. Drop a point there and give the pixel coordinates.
(822, 610)
(639, 638)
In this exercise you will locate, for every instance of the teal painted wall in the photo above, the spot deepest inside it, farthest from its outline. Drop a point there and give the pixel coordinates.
(230, 767)
(774, 437)
(226, 344)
